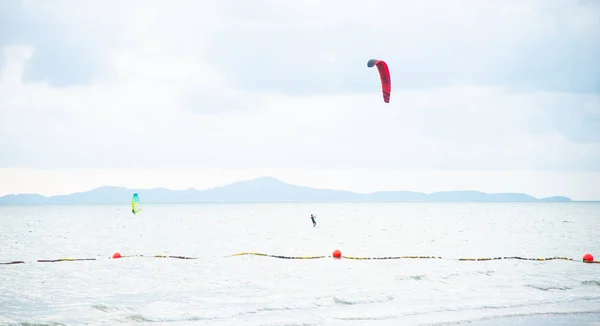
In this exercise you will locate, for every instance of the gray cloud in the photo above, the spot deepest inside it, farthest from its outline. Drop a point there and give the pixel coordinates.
(269, 46)
(64, 54)
(542, 46)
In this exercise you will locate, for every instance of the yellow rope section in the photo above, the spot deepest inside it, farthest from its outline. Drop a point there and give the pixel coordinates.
(396, 257)
(277, 256)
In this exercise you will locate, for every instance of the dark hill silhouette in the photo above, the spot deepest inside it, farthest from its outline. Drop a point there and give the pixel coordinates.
(264, 189)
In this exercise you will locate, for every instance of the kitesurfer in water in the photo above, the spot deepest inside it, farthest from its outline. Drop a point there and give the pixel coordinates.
(312, 217)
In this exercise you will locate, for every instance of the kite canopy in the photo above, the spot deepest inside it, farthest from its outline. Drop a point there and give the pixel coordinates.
(384, 74)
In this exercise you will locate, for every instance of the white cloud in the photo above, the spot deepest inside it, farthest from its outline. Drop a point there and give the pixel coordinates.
(196, 86)
(145, 119)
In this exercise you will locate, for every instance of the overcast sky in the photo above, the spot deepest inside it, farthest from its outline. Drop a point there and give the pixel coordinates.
(486, 95)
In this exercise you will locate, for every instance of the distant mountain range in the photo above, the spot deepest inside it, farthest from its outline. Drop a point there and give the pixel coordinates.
(264, 189)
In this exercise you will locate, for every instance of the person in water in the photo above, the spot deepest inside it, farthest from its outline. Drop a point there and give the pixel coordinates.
(312, 217)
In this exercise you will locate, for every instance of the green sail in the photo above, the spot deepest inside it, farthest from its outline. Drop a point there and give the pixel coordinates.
(135, 204)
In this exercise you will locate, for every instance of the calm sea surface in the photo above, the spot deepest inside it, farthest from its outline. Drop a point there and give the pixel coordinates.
(218, 289)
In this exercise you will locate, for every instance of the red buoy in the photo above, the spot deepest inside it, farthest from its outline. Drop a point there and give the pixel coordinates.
(116, 255)
(337, 254)
(587, 258)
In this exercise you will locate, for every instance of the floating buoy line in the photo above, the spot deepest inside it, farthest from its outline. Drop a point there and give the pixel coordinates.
(337, 254)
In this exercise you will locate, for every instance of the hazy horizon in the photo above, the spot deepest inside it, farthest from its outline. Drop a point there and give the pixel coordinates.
(540, 185)
(267, 189)
(191, 94)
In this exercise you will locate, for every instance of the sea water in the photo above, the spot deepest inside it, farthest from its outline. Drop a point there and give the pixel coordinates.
(221, 289)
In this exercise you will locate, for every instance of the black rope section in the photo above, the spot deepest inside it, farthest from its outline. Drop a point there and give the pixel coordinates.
(12, 262)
